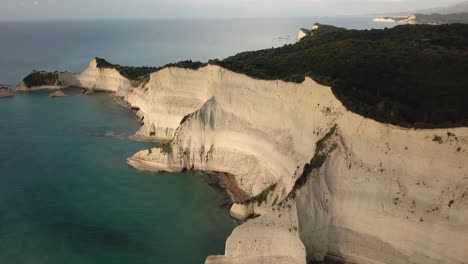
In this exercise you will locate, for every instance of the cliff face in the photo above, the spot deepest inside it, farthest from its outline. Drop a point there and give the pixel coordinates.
(383, 194)
(103, 79)
(231, 119)
(337, 184)
(388, 195)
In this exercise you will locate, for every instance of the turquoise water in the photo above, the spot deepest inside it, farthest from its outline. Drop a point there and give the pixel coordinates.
(68, 196)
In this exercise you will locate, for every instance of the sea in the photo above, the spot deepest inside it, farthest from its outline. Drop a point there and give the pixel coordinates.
(67, 194)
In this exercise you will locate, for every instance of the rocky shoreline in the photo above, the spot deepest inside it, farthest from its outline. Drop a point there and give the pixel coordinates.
(6, 92)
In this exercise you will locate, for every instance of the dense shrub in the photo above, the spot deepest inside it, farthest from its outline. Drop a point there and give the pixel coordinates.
(143, 72)
(37, 78)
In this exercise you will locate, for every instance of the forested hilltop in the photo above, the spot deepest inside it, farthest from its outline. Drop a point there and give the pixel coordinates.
(411, 75)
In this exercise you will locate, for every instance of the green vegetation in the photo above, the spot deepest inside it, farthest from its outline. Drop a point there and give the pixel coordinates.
(39, 78)
(262, 197)
(143, 73)
(413, 75)
(166, 148)
(320, 156)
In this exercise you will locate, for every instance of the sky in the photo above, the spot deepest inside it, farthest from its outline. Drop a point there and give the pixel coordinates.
(128, 9)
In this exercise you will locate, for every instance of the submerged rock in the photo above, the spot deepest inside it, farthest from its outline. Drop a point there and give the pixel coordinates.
(88, 92)
(58, 93)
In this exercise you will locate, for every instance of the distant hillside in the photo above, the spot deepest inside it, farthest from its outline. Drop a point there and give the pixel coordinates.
(431, 19)
(457, 8)
(439, 19)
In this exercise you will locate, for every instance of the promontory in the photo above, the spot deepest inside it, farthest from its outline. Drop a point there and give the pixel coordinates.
(349, 145)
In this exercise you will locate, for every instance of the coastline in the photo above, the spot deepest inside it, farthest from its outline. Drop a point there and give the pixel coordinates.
(200, 112)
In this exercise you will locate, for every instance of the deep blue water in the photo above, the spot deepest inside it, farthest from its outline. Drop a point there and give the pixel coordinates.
(66, 192)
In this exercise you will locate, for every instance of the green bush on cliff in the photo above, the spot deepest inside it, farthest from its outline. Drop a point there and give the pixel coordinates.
(143, 72)
(166, 148)
(262, 197)
(414, 75)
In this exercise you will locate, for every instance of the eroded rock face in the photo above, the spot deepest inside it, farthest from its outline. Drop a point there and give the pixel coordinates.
(302, 33)
(384, 196)
(103, 79)
(322, 180)
(230, 119)
(381, 195)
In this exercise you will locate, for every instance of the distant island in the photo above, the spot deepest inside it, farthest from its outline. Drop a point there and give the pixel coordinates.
(430, 19)
(457, 13)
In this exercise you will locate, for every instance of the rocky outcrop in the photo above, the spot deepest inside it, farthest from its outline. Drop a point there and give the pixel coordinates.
(6, 92)
(102, 79)
(302, 33)
(305, 32)
(58, 93)
(321, 180)
(384, 20)
(411, 20)
(92, 79)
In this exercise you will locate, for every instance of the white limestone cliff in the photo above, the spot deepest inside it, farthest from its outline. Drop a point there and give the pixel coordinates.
(403, 20)
(384, 20)
(385, 194)
(302, 33)
(326, 181)
(103, 79)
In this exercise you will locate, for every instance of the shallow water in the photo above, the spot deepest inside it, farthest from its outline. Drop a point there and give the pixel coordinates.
(68, 196)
